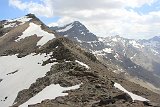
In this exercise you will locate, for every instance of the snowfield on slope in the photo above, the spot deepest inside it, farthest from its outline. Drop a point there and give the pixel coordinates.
(12, 22)
(83, 64)
(108, 50)
(136, 44)
(133, 96)
(35, 29)
(50, 92)
(66, 28)
(18, 74)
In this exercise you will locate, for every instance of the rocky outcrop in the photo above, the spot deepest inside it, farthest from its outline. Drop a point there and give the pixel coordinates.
(97, 82)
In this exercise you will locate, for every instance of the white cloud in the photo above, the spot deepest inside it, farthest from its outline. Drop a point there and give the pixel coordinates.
(43, 9)
(103, 17)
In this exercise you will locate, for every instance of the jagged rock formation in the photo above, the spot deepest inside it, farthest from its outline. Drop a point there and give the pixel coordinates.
(97, 81)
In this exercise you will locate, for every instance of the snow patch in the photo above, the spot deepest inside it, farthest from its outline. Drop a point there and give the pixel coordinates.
(101, 53)
(66, 28)
(65, 35)
(115, 40)
(154, 51)
(78, 40)
(27, 68)
(100, 39)
(83, 64)
(82, 33)
(10, 25)
(135, 44)
(36, 29)
(133, 96)
(92, 42)
(50, 92)
(107, 50)
(22, 20)
(117, 57)
(133, 56)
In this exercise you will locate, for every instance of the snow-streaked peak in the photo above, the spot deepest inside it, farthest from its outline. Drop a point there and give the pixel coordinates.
(35, 29)
(69, 26)
(153, 42)
(113, 40)
(66, 28)
(75, 30)
(135, 44)
(21, 19)
(12, 22)
(155, 38)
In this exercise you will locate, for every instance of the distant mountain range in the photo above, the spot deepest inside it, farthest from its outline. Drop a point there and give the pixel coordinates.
(139, 58)
(71, 67)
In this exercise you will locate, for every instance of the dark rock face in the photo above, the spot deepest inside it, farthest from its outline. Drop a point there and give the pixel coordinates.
(106, 101)
(91, 56)
(1, 80)
(78, 29)
(12, 72)
(112, 100)
(124, 97)
(1, 30)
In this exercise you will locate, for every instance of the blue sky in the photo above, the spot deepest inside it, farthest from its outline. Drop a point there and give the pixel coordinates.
(145, 9)
(10, 12)
(129, 18)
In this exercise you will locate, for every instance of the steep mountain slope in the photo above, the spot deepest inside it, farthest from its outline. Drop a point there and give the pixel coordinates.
(124, 55)
(137, 52)
(76, 28)
(38, 68)
(27, 34)
(79, 33)
(154, 45)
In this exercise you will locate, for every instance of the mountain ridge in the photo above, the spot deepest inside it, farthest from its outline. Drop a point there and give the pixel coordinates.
(117, 47)
(61, 64)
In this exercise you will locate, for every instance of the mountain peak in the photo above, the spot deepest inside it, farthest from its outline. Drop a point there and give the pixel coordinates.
(30, 15)
(76, 22)
(12, 23)
(155, 38)
(76, 31)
